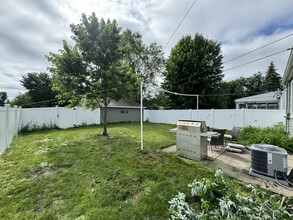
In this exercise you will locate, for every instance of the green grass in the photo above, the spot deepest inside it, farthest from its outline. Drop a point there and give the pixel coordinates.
(76, 174)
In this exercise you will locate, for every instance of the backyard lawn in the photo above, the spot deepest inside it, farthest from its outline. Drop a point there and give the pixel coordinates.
(76, 174)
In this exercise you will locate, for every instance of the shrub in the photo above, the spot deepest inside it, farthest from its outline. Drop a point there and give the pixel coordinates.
(275, 135)
(217, 201)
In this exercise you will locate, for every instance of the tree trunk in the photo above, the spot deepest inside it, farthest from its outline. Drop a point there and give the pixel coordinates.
(105, 133)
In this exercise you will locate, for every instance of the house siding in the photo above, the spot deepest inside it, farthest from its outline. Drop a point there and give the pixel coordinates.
(289, 109)
(114, 115)
(287, 83)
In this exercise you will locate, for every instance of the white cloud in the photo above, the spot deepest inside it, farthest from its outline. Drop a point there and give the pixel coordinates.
(31, 29)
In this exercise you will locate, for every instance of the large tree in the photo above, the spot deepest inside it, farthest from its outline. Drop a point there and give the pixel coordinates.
(92, 72)
(194, 67)
(272, 79)
(146, 61)
(3, 98)
(39, 86)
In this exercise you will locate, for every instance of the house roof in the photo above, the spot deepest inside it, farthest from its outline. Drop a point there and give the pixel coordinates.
(123, 104)
(265, 97)
(288, 74)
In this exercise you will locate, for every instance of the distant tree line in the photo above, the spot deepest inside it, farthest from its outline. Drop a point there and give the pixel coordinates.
(253, 85)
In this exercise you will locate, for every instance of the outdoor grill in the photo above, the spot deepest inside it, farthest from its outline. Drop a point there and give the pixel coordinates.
(191, 141)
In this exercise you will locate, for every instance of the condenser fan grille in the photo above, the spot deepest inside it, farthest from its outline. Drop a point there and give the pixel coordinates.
(259, 161)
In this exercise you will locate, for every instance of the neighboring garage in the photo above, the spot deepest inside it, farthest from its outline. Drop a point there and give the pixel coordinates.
(122, 111)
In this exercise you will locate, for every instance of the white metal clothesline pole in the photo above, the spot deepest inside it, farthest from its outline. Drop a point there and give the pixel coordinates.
(141, 117)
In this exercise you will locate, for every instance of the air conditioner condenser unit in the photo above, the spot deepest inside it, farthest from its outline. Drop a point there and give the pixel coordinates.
(270, 162)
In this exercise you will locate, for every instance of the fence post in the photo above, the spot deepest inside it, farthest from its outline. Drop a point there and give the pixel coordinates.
(243, 116)
(19, 119)
(57, 115)
(7, 109)
(213, 116)
(190, 114)
(15, 131)
(74, 117)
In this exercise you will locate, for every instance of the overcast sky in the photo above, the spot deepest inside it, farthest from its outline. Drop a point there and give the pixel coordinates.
(31, 29)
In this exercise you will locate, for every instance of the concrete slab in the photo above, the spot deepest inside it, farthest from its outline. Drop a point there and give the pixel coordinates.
(237, 165)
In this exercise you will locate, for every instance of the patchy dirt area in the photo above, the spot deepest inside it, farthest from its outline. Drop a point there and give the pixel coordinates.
(237, 166)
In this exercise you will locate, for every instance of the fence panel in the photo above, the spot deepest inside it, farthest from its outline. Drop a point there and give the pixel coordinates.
(227, 118)
(204, 115)
(182, 114)
(9, 125)
(220, 118)
(38, 117)
(263, 118)
(87, 116)
(65, 117)
(3, 129)
(152, 116)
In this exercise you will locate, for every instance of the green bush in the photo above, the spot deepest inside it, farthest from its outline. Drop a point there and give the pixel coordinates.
(218, 201)
(275, 135)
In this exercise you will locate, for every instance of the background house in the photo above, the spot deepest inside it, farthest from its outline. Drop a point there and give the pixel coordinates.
(287, 85)
(269, 100)
(122, 111)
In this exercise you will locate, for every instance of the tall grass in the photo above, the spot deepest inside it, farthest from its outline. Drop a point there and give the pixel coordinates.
(275, 135)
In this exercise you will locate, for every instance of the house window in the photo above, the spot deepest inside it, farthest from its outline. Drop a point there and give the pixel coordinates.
(124, 112)
(272, 105)
(262, 106)
(242, 105)
(252, 106)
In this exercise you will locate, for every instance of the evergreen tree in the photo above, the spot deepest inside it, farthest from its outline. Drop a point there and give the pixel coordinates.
(272, 79)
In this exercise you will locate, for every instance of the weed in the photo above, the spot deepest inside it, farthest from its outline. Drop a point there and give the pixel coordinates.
(30, 127)
(271, 135)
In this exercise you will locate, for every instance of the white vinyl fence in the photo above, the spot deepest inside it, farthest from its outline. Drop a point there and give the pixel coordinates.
(14, 119)
(58, 116)
(220, 118)
(9, 125)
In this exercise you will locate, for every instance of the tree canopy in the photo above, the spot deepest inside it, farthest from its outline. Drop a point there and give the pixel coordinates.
(24, 100)
(40, 93)
(241, 87)
(272, 79)
(92, 71)
(146, 61)
(3, 98)
(194, 67)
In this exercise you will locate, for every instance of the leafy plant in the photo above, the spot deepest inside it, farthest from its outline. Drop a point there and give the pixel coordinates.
(271, 135)
(217, 201)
